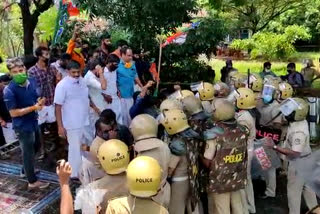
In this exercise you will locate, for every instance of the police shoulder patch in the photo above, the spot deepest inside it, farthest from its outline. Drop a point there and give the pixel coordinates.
(212, 133)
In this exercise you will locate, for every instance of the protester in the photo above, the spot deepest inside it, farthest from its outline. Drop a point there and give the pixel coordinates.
(111, 94)
(96, 84)
(126, 78)
(72, 113)
(60, 66)
(267, 70)
(64, 171)
(75, 48)
(46, 81)
(120, 44)
(23, 101)
(108, 118)
(105, 45)
(91, 168)
(144, 103)
(294, 78)
(226, 70)
(8, 134)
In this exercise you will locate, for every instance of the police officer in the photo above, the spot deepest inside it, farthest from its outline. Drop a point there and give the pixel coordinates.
(297, 145)
(238, 80)
(143, 180)
(183, 169)
(226, 157)
(144, 129)
(221, 90)
(170, 104)
(113, 156)
(271, 119)
(255, 83)
(246, 116)
(199, 122)
(206, 95)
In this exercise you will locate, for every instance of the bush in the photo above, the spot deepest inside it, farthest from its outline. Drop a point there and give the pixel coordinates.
(273, 45)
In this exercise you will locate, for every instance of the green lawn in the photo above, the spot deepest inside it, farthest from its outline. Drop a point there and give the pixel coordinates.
(256, 66)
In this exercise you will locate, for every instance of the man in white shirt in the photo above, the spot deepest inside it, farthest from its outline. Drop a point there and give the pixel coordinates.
(72, 112)
(111, 94)
(60, 66)
(96, 84)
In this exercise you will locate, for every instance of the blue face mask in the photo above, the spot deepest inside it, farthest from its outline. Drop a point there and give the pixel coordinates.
(267, 99)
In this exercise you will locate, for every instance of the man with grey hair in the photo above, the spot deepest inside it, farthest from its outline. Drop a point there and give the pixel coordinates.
(22, 100)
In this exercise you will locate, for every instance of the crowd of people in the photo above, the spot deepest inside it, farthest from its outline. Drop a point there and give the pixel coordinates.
(185, 151)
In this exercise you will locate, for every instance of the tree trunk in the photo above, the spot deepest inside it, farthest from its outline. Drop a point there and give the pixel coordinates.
(29, 26)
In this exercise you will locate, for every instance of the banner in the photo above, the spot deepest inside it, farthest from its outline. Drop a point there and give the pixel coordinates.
(62, 19)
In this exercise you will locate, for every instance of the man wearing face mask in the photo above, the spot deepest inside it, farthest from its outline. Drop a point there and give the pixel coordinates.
(22, 100)
(60, 66)
(105, 45)
(111, 94)
(297, 146)
(75, 48)
(267, 70)
(91, 168)
(46, 81)
(294, 78)
(126, 78)
(96, 83)
(72, 111)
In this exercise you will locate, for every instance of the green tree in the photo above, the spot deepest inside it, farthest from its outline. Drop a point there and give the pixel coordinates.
(143, 18)
(271, 45)
(256, 15)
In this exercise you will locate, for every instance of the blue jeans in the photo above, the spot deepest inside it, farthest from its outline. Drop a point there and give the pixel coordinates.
(30, 145)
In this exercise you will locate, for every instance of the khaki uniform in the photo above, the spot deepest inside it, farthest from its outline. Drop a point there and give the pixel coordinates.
(180, 185)
(245, 118)
(160, 151)
(134, 205)
(268, 118)
(91, 169)
(223, 197)
(309, 74)
(110, 185)
(298, 140)
(96, 143)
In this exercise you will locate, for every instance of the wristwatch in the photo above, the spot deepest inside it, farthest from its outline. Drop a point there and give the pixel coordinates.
(275, 147)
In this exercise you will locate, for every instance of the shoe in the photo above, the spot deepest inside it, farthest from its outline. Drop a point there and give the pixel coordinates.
(264, 196)
(38, 185)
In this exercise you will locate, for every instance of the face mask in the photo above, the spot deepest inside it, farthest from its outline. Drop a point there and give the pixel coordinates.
(268, 70)
(290, 117)
(75, 79)
(105, 136)
(20, 78)
(267, 99)
(113, 67)
(77, 50)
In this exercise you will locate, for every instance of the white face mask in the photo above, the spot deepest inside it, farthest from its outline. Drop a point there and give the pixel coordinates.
(75, 80)
(268, 70)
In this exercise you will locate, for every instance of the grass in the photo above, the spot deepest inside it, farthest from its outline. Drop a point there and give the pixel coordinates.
(256, 66)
